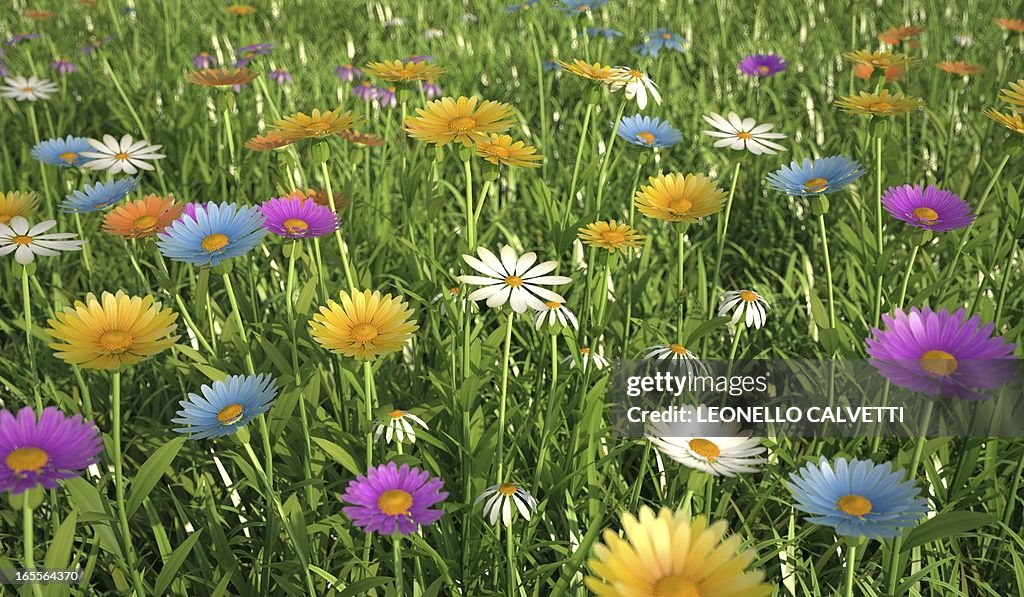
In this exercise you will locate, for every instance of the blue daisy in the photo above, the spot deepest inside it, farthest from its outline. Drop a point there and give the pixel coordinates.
(859, 498)
(605, 32)
(659, 39)
(813, 177)
(648, 132)
(225, 406)
(66, 152)
(217, 232)
(99, 196)
(575, 7)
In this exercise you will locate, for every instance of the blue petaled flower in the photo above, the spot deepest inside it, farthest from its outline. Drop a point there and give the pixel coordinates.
(225, 406)
(648, 132)
(859, 498)
(813, 177)
(659, 39)
(99, 196)
(218, 231)
(64, 152)
(580, 6)
(605, 32)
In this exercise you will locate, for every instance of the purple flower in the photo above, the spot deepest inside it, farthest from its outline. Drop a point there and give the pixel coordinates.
(63, 66)
(941, 353)
(242, 62)
(418, 58)
(45, 451)
(17, 39)
(3, 70)
(248, 52)
(430, 89)
(762, 65)
(390, 498)
(280, 75)
(298, 218)
(930, 209)
(204, 60)
(347, 72)
(190, 210)
(365, 90)
(386, 97)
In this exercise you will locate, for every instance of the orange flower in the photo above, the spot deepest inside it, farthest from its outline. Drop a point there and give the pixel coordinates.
(1011, 24)
(221, 77)
(319, 196)
(142, 218)
(240, 9)
(39, 15)
(361, 138)
(898, 35)
(892, 73)
(960, 68)
(272, 140)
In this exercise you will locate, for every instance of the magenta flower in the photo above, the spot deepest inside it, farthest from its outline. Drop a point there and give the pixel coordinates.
(386, 97)
(365, 90)
(45, 451)
(762, 65)
(298, 218)
(63, 67)
(390, 498)
(280, 76)
(931, 209)
(347, 72)
(204, 60)
(430, 89)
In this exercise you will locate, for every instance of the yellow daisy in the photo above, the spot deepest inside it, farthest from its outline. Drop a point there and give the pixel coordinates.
(679, 198)
(17, 203)
(445, 120)
(396, 70)
(221, 77)
(879, 60)
(1010, 121)
(1014, 95)
(595, 72)
(113, 331)
(672, 555)
(240, 9)
(300, 126)
(611, 235)
(880, 104)
(272, 140)
(500, 150)
(364, 326)
(361, 138)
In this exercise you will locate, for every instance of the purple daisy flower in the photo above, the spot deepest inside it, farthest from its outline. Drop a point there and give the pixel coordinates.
(3, 70)
(63, 66)
(430, 89)
(418, 58)
(204, 60)
(386, 97)
(762, 65)
(390, 498)
(941, 353)
(280, 76)
(931, 209)
(347, 72)
(45, 451)
(298, 218)
(365, 90)
(20, 37)
(253, 50)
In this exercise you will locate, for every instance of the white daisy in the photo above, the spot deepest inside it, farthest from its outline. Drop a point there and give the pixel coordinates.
(720, 449)
(512, 279)
(31, 89)
(126, 155)
(500, 499)
(748, 305)
(398, 426)
(555, 313)
(468, 17)
(25, 242)
(433, 33)
(586, 357)
(746, 134)
(637, 85)
(687, 361)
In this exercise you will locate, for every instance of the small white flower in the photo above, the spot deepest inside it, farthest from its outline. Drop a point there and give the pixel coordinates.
(720, 449)
(637, 85)
(452, 295)
(748, 305)
(746, 134)
(555, 313)
(468, 17)
(512, 279)
(433, 33)
(31, 89)
(687, 361)
(586, 357)
(500, 499)
(398, 426)
(126, 155)
(963, 40)
(25, 242)
(395, 22)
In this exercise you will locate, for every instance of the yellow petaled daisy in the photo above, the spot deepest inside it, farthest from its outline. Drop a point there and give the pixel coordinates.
(605, 74)
(241, 9)
(361, 138)
(321, 124)
(396, 70)
(364, 326)
(881, 104)
(500, 150)
(112, 331)
(1014, 95)
(611, 235)
(272, 140)
(1010, 121)
(461, 120)
(17, 203)
(670, 555)
(221, 77)
(879, 60)
(679, 198)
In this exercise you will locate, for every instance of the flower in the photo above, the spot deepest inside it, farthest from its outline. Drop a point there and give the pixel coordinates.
(64, 66)
(396, 70)
(1014, 95)
(940, 353)
(217, 232)
(673, 554)
(398, 425)
(716, 448)
(813, 177)
(744, 134)
(240, 10)
(898, 35)
(361, 138)
(298, 218)
(1011, 24)
(500, 499)
(586, 357)
(930, 209)
(99, 196)
(113, 331)
(250, 51)
(17, 237)
(391, 498)
(605, 32)
(880, 104)
(637, 85)
(611, 235)
(445, 120)
(300, 126)
(21, 37)
(746, 304)
(964, 69)
(678, 198)
(365, 90)
(511, 279)
(433, 33)
(606, 75)
(347, 73)
(521, 6)
(556, 314)
(64, 152)
(221, 77)
(963, 40)
(204, 60)
(648, 132)
(430, 89)
(143, 218)
(272, 140)
(341, 201)
(681, 357)
(859, 498)
(126, 155)
(501, 151)
(762, 65)
(17, 203)
(386, 97)
(659, 39)
(39, 15)
(44, 451)
(280, 76)
(1010, 121)
(364, 326)
(873, 61)
(580, 6)
(452, 295)
(31, 89)
(395, 22)
(225, 406)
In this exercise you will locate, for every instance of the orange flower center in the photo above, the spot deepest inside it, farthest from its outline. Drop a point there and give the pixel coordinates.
(635, 74)
(26, 459)
(498, 151)
(230, 414)
(115, 341)
(666, 36)
(926, 215)
(364, 332)
(395, 502)
(854, 505)
(121, 156)
(763, 69)
(880, 107)
(397, 413)
(27, 89)
(678, 349)
(403, 73)
(680, 206)
(144, 223)
(744, 135)
(585, 350)
(613, 237)
(461, 124)
(295, 225)
(507, 489)
(553, 305)
(22, 239)
(748, 296)
(939, 362)
(816, 185)
(514, 281)
(318, 128)
(675, 586)
(68, 156)
(705, 448)
(646, 137)
(214, 242)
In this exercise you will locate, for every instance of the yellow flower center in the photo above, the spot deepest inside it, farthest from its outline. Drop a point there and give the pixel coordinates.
(121, 156)
(854, 505)
(230, 414)
(816, 185)
(403, 73)
(635, 74)
(498, 151)
(613, 237)
(553, 304)
(646, 137)
(666, 36)
(748, 296)
(744, 135)
(397, 413)
(26, 459)
(453, 291)
(115, 341)
(27, 89)
(364, 332)
(939, 362)
(926, 215)
(585, 350)
(880, 107)
(584, 8)
(395, 502)
(507, 489)
(295, 225)
(144, 223)
(763, 69)
(680, 206)
(318, 128)
(706, 448)
(514, 281)
(22, 239)
(68, 156)
(675, 586)
(4, 218)
(214, 242)
(461, 124)
(677, 349)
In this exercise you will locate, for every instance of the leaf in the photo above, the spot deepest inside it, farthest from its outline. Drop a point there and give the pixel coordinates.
(174, 563)
(306, 296)
(362, 587)
(818, 312)
(338, 454)
(58, 555)
(151, 472)
(945, 525)
(706, 328)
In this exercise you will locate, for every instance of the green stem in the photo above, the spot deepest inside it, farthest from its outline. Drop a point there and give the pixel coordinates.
(828, 271)
(337, 233)
(680, 285)
(504, 395)
(467, 166)
(510, 559)
(122, 511)
(851, 563)
(906, 276)
(877, 313)
(295, 249)
(368, 405)
(722, 238)
(30, 548)
(603, 176)
(27, 304)
(576, 165)
(86, 256)
(396, 539)
(241, 324)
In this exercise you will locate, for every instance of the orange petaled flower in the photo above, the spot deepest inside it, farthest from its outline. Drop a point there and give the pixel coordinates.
(361, 138)
(396, 70)
(500, 150)
(595, 72)
(300, 126)
(898, 35)
(241, 9)
(1014, 95)
(880, 104)
(142, 218)
(39, 15)
(221, 77)
(272, 140)
(960, 67)
(1010, 121)
(445, 120)
(319, 196)
(1011, 24)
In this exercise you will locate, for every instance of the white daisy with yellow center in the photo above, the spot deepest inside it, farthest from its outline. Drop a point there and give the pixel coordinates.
(28, 241)
(500, 500)
(397, 425)
(637, 84)
(588, 356)
(685, 360)
(556, 314)
(719, 449)
(512, 279)
(744, 133)
(125, 155)
(746, 305)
